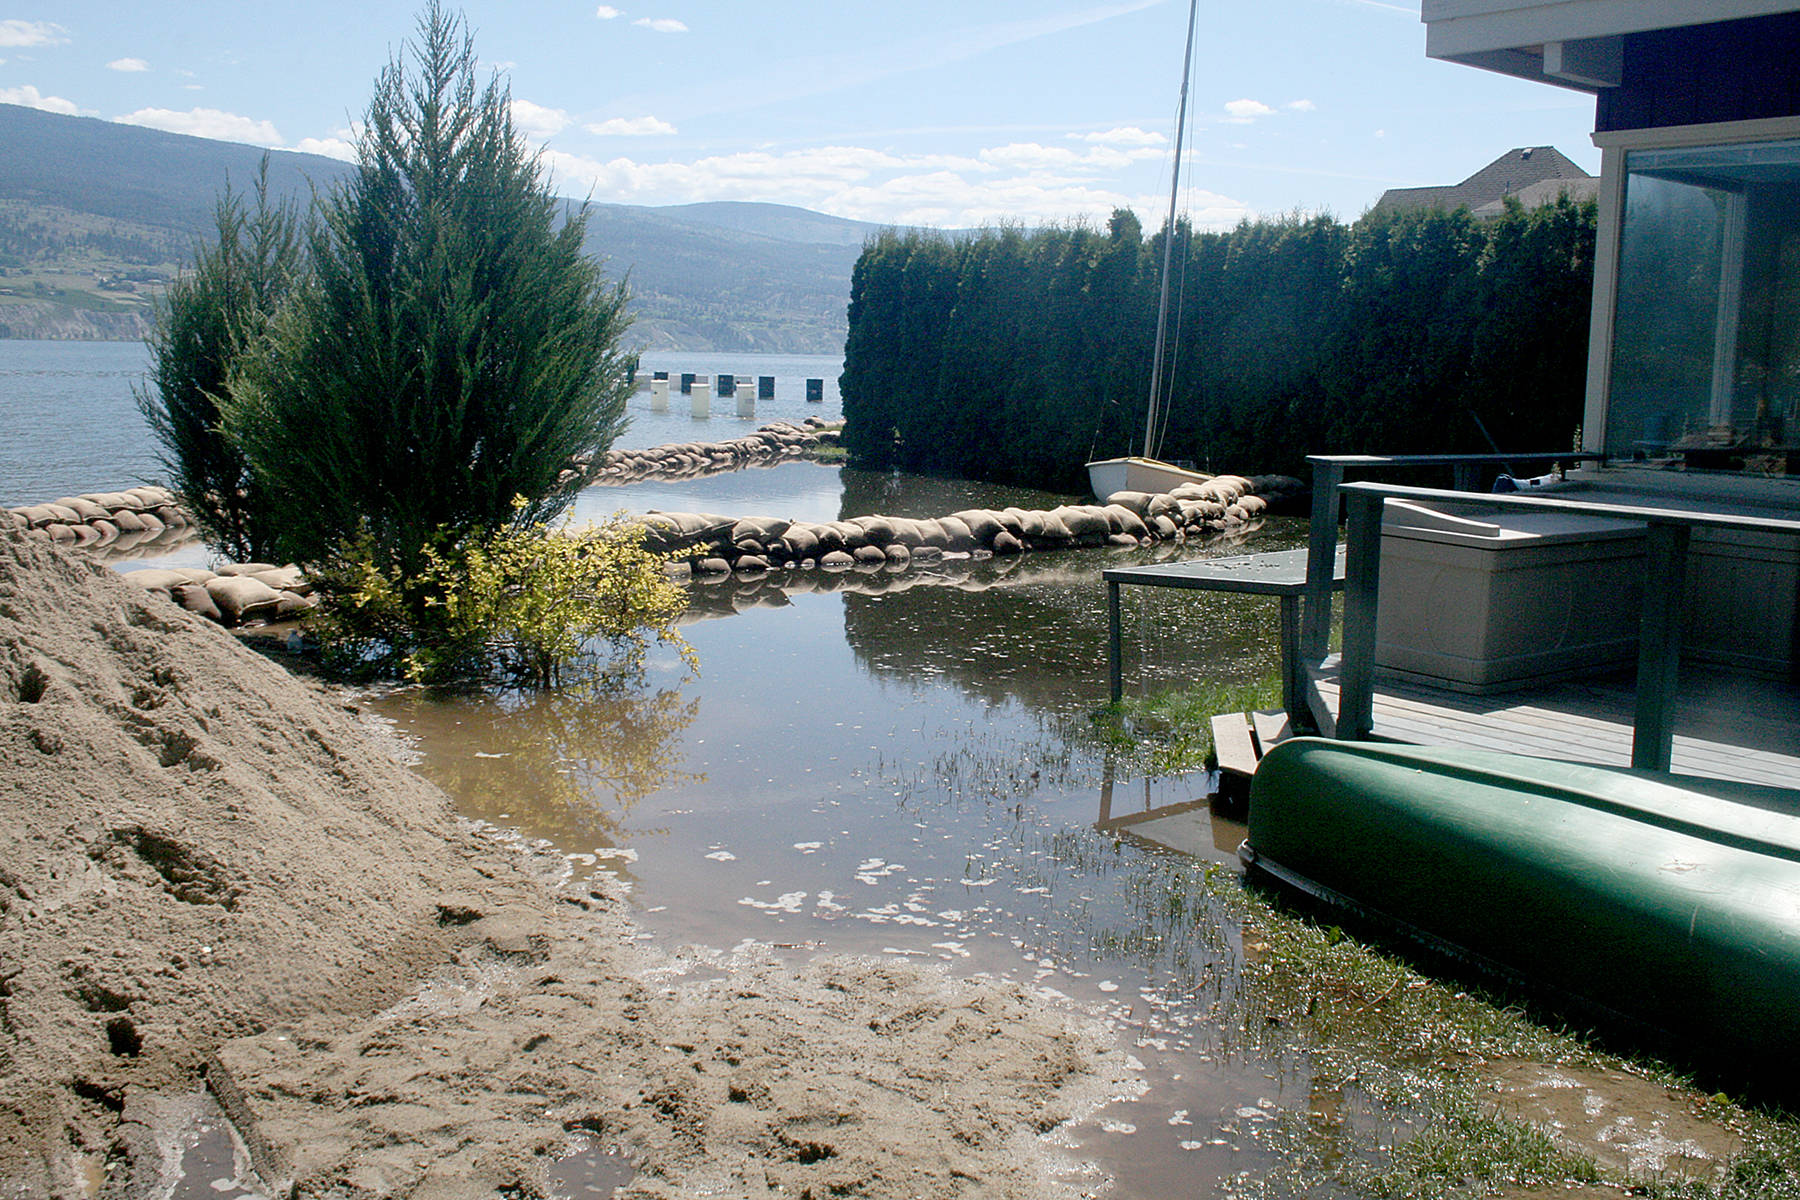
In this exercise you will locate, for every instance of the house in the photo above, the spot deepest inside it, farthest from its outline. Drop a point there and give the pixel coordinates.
(1532, 175)
(1694, 360)
(1677, 540)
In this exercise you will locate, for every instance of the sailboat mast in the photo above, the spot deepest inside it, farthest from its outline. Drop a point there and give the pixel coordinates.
(1162, 304)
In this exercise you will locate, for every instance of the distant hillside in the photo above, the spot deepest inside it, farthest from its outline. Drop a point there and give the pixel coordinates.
(95, 217)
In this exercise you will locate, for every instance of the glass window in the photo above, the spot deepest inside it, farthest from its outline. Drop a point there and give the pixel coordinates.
(1706, 336)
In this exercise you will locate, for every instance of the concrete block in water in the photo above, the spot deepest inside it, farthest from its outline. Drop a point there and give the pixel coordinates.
(659, 395)
(702, 403)
(765, 387)
(815, 391)
(746, 400)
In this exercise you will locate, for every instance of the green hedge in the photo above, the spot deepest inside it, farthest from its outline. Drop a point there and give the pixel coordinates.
(1018, 356)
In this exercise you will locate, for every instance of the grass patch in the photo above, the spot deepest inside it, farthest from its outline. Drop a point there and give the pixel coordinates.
(1169, 732)
(1419, 1051)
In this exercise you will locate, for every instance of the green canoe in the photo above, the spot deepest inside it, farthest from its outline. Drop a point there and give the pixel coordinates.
(1670, 901)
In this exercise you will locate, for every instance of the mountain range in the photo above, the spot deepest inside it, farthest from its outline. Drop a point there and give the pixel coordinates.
(96, 216)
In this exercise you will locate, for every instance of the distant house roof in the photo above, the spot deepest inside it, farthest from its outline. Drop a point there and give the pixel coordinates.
(1536, 175)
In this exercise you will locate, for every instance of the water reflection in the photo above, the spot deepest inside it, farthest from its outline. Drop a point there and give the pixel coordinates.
(572, 766)
(878, 763)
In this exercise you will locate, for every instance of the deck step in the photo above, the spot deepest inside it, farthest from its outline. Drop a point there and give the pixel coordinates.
(1233, 744)
(1271, 727)
(1236, 750)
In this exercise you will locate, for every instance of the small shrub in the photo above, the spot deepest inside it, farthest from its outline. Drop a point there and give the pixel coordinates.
(523, 606)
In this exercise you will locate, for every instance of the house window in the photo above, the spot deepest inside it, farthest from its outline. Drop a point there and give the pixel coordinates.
(1706, 337)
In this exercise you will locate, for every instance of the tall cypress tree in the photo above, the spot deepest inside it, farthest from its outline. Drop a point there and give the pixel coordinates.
(206, 320)
(452, 348)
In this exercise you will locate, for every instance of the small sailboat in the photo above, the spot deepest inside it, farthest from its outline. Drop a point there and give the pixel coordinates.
(1146, 472)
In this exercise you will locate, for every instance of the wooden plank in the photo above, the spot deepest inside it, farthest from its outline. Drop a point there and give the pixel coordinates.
(1589, 721)
(1271, 726)
(1231, 741)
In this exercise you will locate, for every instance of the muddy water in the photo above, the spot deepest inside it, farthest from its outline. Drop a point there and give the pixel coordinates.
(896, 765)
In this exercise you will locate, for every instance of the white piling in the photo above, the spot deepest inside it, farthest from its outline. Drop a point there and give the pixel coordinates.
(702, 397)
(746, 399)
(659, 395)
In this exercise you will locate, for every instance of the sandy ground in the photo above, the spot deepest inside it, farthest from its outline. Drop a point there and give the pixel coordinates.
(211, 870)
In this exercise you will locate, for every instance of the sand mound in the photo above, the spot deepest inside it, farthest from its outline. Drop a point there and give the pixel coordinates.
(211, 868)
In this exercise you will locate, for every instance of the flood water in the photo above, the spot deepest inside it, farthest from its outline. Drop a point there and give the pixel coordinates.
(871, 763)
(899, 764)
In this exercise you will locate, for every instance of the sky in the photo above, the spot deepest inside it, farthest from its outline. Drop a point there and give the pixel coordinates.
(952, 113)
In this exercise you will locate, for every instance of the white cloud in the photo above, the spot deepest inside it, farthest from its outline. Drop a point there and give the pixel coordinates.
(1031, 156)
(661, 24)
(536, 121)
(1124, 135)
(332, 147)
(1239, 111)
(30, 97)
(607, 12)
(1301, 106)
(31, 33)
(206, 123)
(128, 64)
(1021, 182)
(632, 127)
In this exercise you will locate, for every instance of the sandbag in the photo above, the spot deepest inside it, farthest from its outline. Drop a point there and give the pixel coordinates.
(241, 597)
(196, 599)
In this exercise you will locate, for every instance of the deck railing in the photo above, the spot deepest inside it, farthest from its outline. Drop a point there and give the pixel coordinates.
(1659, 646)
(1328, 471)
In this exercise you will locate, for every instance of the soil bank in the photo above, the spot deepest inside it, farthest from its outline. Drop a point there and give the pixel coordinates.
(213, 871)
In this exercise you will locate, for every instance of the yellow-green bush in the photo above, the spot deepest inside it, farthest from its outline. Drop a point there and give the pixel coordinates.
(527, 606)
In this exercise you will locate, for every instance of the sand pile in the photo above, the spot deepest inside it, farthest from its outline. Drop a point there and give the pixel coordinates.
(212, 870)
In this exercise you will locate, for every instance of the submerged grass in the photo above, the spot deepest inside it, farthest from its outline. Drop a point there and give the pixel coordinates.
(1169, 731)
(1421, 1054)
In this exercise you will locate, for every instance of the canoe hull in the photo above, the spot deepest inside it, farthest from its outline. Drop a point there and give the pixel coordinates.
(1671, 902)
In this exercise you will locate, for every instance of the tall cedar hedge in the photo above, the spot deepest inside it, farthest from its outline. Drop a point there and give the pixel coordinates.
(1018, 356)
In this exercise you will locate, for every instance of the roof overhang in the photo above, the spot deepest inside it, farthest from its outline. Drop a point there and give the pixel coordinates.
(1570, 43)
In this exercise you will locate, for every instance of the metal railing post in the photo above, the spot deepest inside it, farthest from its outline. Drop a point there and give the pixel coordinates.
(1659, 644)
(1321, 560)
(1362, 584)
(1115, 667)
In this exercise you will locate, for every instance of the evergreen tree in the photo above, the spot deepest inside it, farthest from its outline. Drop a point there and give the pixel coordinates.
(207, 319)
(452, 347)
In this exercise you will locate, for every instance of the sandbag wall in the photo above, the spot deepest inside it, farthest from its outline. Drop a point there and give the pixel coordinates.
(140, 519)
(779, 441)
(717, 545)
(234, 594)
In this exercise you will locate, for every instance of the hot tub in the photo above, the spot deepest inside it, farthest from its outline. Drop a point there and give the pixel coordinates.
(1480, 599)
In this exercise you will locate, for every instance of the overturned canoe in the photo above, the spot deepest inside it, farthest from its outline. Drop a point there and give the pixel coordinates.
(1669, 901)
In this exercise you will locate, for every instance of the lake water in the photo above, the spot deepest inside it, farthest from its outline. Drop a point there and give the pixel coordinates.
(69, 423)
(875, 763)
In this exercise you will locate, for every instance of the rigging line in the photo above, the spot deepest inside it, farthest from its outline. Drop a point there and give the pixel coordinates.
(1162, 307)
(1186, 249)
(1168, 408)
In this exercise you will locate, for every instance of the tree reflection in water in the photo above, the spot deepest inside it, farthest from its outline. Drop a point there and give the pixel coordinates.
(565, 766)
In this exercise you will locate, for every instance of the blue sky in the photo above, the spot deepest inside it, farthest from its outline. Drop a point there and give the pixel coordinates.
(927, 111)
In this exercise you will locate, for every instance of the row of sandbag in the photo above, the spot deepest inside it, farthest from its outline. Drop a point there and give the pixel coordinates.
(717, 545)
(775, 442)
(234, 594)
(113, 521)
(722, 595)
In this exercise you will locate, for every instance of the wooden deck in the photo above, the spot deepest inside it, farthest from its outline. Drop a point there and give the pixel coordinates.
(1726, 726)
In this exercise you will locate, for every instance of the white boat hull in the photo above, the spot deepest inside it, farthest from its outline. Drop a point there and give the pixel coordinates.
(1109, 476)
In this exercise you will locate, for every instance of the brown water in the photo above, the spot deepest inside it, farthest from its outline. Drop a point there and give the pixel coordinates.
(894, 764)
